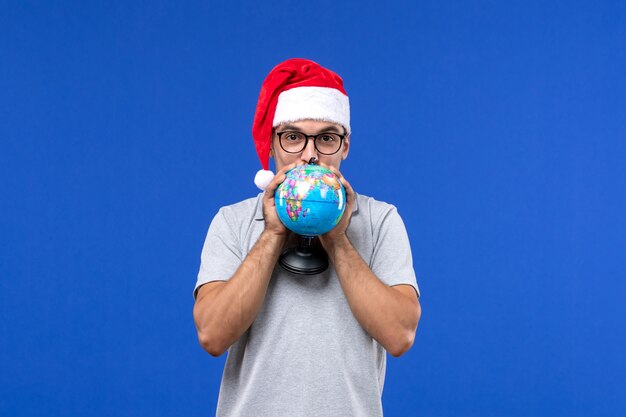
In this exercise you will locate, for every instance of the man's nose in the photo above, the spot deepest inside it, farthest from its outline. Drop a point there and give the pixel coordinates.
(310, 152)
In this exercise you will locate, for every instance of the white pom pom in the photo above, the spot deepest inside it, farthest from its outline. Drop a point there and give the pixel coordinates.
(263, 178)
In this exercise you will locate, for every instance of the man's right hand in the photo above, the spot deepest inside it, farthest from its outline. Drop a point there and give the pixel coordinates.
(224, 310)
(273, 224)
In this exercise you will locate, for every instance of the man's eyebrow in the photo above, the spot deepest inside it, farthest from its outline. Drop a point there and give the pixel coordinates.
(329, 129)
(287, 127)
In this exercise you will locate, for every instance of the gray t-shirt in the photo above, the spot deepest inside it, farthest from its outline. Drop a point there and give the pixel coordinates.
(305, 354)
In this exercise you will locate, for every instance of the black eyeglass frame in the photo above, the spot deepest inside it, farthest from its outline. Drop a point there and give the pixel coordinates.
(306, 140)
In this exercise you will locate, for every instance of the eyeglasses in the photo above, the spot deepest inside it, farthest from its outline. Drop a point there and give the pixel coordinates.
(294, 142)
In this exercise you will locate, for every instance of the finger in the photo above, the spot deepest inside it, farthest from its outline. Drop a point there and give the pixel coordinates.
(289, 167)
(278, 179)
(341, 178)
(350, 195)
(331, 169)
(348, 188)
(325, 165)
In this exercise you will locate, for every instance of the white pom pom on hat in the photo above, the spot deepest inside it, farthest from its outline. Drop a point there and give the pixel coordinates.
(263, 178)
(296, 89)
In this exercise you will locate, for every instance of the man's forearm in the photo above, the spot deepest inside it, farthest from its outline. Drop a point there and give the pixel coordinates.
(386, 313)
(224, 310)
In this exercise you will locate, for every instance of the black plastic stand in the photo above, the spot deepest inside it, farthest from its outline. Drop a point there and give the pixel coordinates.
(305, 259)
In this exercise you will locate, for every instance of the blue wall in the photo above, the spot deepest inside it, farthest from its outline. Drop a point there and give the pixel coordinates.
(497, 129)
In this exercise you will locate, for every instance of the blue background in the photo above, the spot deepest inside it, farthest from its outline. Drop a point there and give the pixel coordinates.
(497, 129)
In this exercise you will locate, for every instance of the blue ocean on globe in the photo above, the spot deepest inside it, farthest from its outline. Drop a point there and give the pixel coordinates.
(311, 200)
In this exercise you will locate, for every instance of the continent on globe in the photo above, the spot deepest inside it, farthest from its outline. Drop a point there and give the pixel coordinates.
(310, 201)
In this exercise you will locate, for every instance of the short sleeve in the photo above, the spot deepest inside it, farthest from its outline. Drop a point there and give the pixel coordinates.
(221, 253)
(392, 260)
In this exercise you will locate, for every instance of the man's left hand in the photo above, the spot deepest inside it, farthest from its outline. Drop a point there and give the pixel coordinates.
(338, 233)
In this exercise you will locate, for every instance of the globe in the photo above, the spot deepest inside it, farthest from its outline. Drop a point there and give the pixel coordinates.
(310, 201)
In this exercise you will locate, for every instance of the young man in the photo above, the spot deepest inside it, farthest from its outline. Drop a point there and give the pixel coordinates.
(304, 345)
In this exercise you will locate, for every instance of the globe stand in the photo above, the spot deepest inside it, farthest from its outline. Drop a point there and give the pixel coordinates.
(305, 259)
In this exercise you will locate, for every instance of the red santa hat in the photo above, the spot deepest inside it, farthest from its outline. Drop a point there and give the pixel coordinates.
(296, 89)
